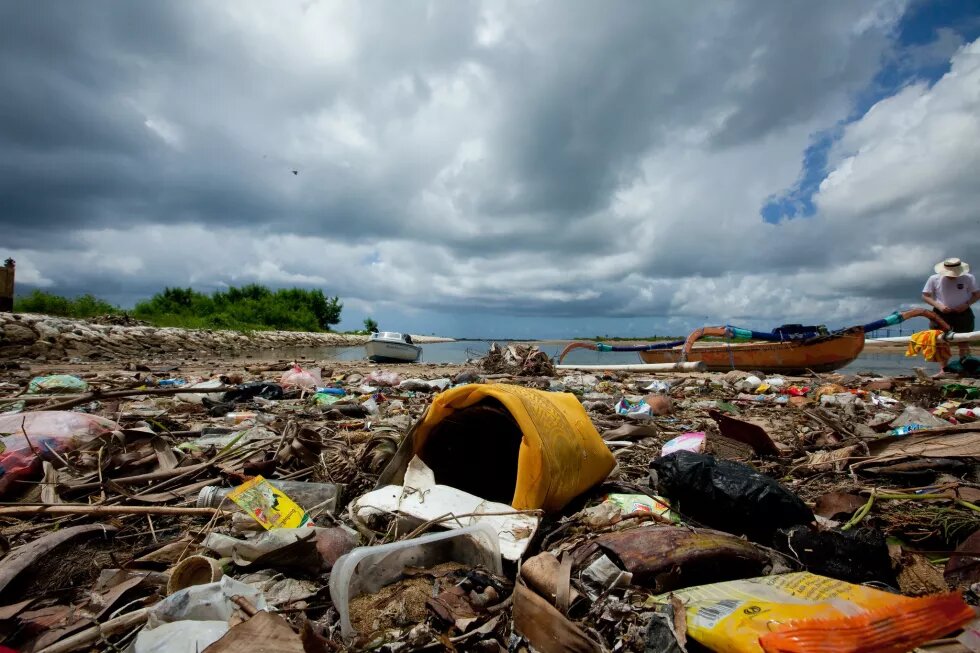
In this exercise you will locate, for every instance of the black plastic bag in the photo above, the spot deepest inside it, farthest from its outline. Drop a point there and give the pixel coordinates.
(662, 635)
(252, 390)
(857, 556)
(727, 496)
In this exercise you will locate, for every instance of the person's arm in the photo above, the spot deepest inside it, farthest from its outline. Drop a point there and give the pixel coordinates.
(974, 295)
(965, 307)
(928, 298)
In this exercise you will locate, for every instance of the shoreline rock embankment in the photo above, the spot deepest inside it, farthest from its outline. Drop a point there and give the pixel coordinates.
(45, 337)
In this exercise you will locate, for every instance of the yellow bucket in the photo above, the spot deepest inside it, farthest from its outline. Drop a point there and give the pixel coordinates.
(512, 444)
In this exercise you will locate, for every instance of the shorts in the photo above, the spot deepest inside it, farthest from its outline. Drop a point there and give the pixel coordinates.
(959, 322)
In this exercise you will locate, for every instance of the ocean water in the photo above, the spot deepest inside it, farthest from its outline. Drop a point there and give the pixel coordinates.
(880, 362)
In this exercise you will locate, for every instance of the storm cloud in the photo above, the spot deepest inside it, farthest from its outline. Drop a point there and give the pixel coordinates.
(462, 165)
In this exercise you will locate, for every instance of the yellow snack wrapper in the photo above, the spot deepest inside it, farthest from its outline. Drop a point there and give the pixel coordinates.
(269, 506)
(804, 612)
(630, 503)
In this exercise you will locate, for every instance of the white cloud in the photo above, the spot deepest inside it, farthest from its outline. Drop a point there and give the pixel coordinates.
(26, 272)
(524, 158)
(914, 152)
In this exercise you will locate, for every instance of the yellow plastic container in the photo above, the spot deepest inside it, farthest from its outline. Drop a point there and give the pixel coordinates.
(475, 431)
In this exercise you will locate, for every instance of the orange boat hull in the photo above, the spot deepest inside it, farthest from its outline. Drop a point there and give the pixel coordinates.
(822, 355)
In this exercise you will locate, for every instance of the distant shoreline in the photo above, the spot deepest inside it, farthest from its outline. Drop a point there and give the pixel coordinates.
(45, 337)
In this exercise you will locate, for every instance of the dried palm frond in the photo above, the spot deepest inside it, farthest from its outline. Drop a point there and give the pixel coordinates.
(518, 359)
(338, 462)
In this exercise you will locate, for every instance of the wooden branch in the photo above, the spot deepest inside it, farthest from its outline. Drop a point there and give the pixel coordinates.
(93, 634)
(86, 509)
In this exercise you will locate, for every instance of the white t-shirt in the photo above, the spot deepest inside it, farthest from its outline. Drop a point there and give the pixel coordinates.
(951, 291)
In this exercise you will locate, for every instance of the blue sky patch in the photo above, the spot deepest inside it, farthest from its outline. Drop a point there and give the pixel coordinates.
(913, 60)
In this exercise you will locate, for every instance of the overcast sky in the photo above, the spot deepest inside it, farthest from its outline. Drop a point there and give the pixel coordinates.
(497, 168)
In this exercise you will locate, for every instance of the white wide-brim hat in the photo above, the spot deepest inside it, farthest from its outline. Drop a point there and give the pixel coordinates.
(952, 267)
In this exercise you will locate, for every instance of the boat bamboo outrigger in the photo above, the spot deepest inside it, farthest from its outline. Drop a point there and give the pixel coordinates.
(789, 349)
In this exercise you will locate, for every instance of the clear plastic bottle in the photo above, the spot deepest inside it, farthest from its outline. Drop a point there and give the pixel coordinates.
(307, 495)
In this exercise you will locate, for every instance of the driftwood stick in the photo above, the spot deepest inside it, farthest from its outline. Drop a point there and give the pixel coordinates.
(93, 634)
(96, 395)
(86, 509)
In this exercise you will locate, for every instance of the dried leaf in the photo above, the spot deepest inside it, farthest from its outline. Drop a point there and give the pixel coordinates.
(838, 503)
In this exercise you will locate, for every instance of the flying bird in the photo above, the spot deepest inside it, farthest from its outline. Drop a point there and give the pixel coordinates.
(295, 172)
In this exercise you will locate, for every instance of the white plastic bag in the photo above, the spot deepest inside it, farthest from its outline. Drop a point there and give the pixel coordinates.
(211, 602)
(192, 619)
(300, 378)
(198, 397)
(180, 637)
(384, 379)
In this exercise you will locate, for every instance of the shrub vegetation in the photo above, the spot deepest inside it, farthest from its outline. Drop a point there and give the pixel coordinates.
(251, 307)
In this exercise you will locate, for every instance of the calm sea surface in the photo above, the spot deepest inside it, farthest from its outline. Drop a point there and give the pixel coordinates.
(882, 362)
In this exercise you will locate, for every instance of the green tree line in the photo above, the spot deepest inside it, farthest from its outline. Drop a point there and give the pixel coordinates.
(83, 306)
(251, 307)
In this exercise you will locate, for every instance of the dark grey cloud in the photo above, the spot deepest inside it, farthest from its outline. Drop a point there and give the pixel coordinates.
(511, 158)
(575, 115)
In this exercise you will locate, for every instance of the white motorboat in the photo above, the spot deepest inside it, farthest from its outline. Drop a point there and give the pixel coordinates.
(391, 347)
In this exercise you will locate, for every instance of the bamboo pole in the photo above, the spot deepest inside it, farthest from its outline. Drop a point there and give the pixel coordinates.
(971, 336)
(696, 366)
(116, 394)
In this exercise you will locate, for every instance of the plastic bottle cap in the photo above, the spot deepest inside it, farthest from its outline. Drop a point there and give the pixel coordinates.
(205, 496)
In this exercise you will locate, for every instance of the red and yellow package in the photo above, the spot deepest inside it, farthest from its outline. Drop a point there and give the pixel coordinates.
(806, 613)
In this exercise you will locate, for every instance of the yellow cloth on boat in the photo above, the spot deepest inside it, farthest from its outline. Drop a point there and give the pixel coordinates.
(561, 453)
(928, 344)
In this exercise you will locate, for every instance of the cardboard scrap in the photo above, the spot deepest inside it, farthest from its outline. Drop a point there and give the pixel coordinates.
(956, 444)
(754, 432)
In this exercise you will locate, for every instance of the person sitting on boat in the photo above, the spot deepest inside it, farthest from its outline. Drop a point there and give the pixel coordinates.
(951, 292)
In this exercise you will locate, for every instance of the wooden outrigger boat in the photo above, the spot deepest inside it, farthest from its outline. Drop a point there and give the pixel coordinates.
(821, 354)
(785, 351)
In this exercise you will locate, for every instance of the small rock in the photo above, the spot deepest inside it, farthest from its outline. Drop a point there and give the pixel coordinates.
(18, 334)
